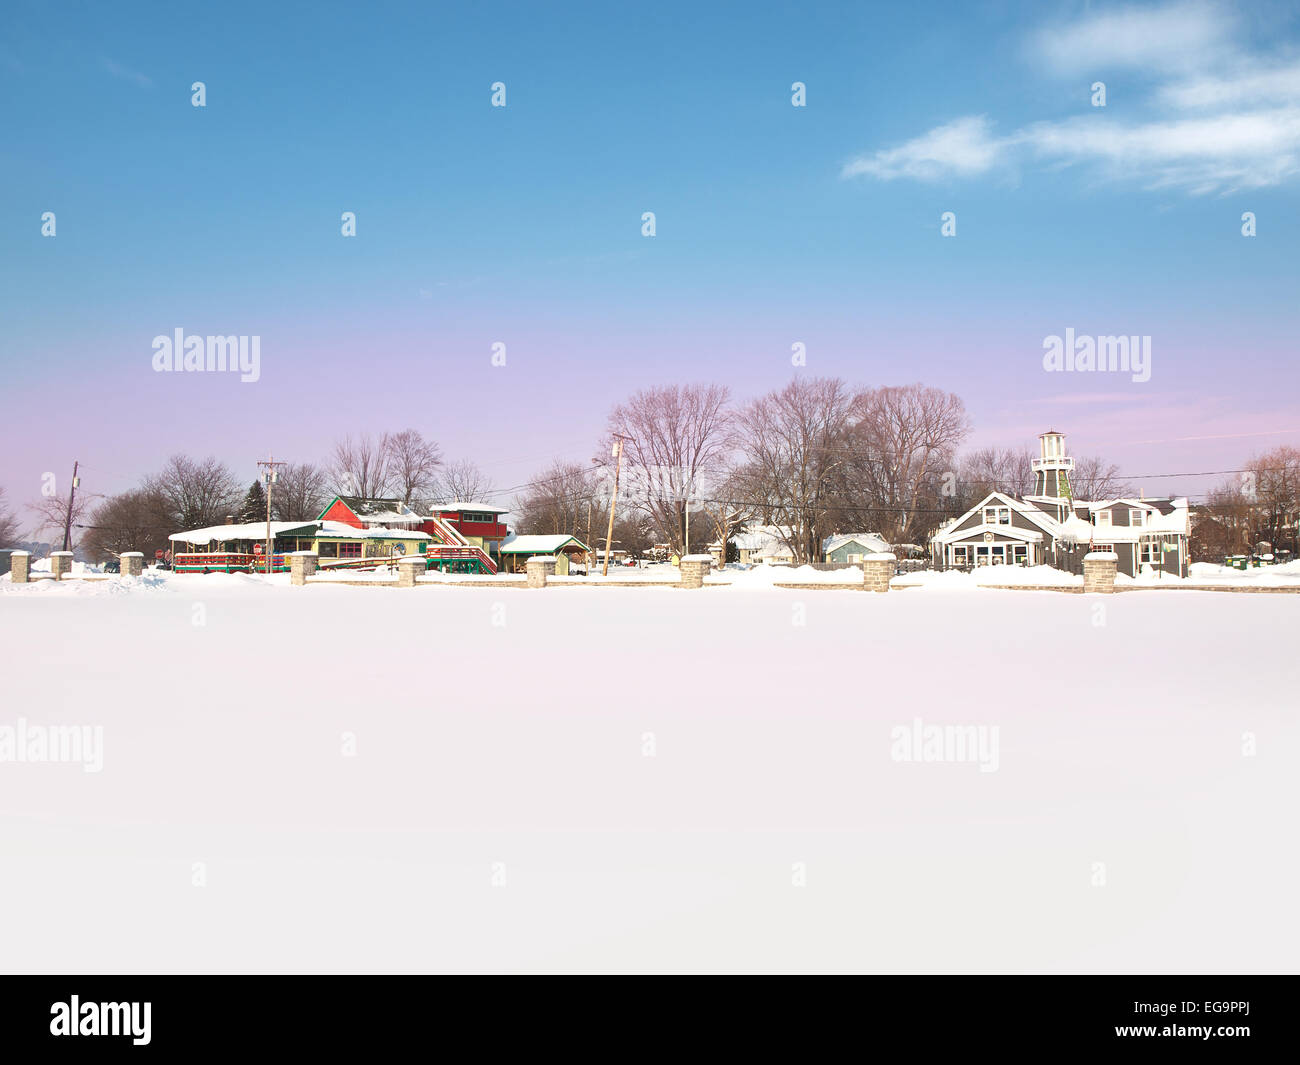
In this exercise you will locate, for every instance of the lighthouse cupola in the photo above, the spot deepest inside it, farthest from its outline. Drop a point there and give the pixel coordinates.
(1052, 467)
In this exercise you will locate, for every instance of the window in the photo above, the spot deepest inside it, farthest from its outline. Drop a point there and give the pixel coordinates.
(1103, 517)
(1104, 547)
(997, 515)
(1137, 517)
(327, 549)
(351, 549)
(1151, 552)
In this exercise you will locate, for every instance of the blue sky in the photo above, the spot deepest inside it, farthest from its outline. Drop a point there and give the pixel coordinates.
(521, 224)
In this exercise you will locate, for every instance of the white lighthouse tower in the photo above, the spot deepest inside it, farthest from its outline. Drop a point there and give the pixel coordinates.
(1052, 467)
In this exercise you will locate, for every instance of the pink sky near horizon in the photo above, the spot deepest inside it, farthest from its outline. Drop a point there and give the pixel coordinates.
(547, 403)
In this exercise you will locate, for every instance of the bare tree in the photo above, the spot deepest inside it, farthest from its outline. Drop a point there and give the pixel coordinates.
(194, 494)
(677, 438)
(903, 437)
(1274, 483)
(727, 510)
(129, 521)
(991, 469)
(1095, 479)
(8, 522)
(564, 498)
(361, 467)
(464, 482)
(413, 464)
(1225, 525)
(300, 492)
(792, 443)
(55, 513)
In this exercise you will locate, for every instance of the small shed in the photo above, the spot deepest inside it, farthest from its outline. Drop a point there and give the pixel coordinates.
(517, 550)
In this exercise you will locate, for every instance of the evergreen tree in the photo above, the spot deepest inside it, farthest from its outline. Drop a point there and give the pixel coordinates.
(253, 508)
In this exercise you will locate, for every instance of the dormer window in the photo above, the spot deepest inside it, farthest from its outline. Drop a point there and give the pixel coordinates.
(997, 515)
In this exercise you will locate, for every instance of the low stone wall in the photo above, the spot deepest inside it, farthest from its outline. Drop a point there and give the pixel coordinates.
(60, 564)
(132, 563)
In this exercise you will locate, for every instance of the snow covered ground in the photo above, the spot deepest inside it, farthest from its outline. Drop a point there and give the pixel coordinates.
(341, 778)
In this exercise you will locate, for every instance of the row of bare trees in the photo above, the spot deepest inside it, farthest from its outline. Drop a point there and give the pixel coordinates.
(811, 459)
(1260, 505)
(189, 493)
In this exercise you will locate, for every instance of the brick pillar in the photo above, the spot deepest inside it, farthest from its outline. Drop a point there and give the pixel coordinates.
(1099, 569)
(877, 571)
(132, 563)
(539, 568)
(302, 564)
(409, 568)
(60, 564)
(19, 567)
(694, 569)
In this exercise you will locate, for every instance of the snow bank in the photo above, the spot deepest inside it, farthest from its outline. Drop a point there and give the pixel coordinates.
(1019, 576)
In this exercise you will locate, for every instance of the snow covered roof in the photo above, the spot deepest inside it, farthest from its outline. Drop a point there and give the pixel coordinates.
(444, 508)
(759, 537)
(338, 530)
(256, 531)
(1074, 528)
(539, 544)
(870, 541)
(253, 530)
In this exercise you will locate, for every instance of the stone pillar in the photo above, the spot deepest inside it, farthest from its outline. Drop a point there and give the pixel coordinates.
(19, 567)
(302, 564)
(409, 568)
(1099, 569)
(877, 571)
(132, 563)
(694, 569)
(539, 568)
(60, 564)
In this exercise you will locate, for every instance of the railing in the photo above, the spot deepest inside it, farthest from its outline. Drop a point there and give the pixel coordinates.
(455, 540)
(1063, 463)
(226, 562)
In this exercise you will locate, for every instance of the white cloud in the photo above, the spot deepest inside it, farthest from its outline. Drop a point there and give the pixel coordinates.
(1173, 37)
(1248, 86)
(1234, 124)
(963, 148)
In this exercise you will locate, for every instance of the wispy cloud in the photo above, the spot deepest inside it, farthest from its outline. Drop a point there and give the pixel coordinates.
(1173, 37)
(1233, 125)
(117, 70)
(964, 147)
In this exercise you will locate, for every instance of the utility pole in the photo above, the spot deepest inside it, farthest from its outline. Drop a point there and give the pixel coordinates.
(270, 477)
(72, 494)
(591, 556)
(618, 465)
